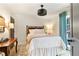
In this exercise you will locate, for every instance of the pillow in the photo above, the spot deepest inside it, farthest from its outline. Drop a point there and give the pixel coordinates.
(37, 31)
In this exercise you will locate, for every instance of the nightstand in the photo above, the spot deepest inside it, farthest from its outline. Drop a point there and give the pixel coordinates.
(7, 46)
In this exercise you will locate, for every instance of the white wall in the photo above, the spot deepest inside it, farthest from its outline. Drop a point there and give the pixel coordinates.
(22, 20)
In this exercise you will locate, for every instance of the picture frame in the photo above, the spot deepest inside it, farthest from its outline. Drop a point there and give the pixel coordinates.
(2, 24)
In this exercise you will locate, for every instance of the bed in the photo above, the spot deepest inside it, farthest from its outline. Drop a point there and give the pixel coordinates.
(41, 44)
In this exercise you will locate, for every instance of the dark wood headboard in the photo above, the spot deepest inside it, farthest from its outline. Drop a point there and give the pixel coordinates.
(32, 27)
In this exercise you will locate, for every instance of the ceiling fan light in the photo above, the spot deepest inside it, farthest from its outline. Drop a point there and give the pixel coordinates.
(42, 11)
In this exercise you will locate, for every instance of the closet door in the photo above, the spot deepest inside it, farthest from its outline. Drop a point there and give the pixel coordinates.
(62, 26)
(75, 28)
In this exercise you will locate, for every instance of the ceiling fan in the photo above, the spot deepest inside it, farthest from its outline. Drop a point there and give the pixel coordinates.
(42, 11)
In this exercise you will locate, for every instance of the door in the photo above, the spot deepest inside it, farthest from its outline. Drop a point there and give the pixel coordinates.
(62, 26)
(75, 28)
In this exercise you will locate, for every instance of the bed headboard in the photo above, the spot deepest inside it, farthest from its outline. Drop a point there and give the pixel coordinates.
(32, 27)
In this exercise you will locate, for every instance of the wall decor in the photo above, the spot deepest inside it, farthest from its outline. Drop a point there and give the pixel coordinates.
(2, 24)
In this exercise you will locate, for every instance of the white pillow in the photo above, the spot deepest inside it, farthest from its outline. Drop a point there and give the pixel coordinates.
(37, 31)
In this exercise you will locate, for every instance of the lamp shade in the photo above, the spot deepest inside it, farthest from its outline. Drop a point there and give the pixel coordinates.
(49, 28)
(11, 25)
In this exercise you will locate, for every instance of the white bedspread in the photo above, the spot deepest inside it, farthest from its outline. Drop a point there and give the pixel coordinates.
(46, 46)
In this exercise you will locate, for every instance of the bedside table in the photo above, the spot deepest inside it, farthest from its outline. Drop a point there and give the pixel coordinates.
(6, 46)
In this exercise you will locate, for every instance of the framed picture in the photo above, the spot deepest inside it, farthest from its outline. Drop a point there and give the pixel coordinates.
(2, 24)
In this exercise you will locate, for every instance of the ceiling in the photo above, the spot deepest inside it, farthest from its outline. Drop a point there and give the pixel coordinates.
(32, 8)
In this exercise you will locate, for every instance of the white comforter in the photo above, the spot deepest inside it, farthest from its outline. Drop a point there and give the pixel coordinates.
(46, 46)
(32, 35)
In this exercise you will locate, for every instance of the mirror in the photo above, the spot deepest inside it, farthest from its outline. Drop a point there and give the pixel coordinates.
(2, 24)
